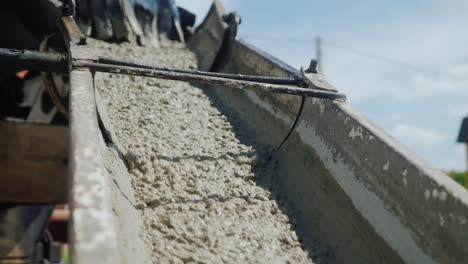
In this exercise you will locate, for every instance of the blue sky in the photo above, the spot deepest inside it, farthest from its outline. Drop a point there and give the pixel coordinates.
(416, 85)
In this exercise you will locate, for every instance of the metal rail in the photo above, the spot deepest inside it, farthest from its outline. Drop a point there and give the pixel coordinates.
(57, 62)
(49, 61)
(192, 78)
(92, 230)
(18, 60)
(252, 78)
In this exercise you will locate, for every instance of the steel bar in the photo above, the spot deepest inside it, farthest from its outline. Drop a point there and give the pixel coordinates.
(252, 78)
(17, 60)
(216, 81)
(56, 62)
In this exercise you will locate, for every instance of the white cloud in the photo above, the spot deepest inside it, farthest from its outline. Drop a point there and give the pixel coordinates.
(458, 111)
(453, 82)
(413, 135)
(429, 36)
(400, 116)
(459, 149)
(456, 160)
(419, 39)
(372, 79)
(365, 78)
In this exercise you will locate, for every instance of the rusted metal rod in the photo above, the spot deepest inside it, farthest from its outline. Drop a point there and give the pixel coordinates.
(251, 78)
(216, 81)
(17, 60)
(57, 62)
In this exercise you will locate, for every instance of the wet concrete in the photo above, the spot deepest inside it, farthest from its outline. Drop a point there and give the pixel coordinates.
(205, 186)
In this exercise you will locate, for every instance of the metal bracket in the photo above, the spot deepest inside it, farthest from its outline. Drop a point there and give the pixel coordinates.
(315, 79)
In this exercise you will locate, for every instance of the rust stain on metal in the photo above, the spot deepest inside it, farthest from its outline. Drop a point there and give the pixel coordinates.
(216, 81)
(71, 28)
(50, 86)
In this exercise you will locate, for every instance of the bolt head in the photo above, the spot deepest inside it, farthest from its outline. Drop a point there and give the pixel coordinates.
(313, 67)
(82, 41)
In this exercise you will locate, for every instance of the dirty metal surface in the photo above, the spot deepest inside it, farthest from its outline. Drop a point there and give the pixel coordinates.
(17, 60)
(417, 209)
(252, 78)
(246, 59)
(92, 231)
(216, 81)
(315, 79)
(209, 37)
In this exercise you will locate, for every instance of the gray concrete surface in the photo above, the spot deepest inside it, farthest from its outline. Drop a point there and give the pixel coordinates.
(206, 189)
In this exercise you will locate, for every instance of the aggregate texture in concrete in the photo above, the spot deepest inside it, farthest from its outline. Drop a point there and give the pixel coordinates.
(205, 187)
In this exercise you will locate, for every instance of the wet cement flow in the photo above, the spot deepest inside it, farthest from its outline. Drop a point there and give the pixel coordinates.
(205, 189)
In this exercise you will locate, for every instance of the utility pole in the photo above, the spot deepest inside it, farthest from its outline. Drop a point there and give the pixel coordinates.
(318, 53)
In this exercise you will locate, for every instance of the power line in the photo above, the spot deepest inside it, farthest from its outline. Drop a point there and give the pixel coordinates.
(348, 49)
(377, 57)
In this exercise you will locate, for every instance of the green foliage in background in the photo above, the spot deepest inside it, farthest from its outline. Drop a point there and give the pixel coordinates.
(459, 177)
